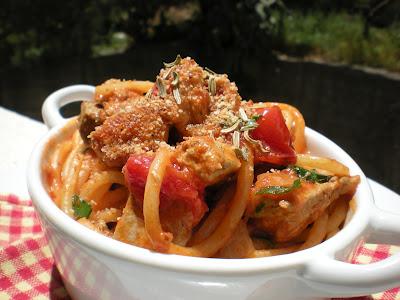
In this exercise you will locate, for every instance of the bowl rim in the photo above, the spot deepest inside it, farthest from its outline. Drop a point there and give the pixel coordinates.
(91, 240)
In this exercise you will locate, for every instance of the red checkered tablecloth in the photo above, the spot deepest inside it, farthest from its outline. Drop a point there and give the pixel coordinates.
(27, 270)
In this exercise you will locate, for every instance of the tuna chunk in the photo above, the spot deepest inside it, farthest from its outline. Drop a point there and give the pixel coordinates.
(92, 115)
(187, 99)
(182, 203)
(126, 133)
(287, 215)
(209, 160)
(111, 97)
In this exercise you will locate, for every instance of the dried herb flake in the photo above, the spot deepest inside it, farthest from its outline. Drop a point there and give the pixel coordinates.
(242, 153)
(177, 61)
(212, 85)
(161, 87)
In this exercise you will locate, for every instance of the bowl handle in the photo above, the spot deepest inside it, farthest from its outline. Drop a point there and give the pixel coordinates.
(342, 279)
(51, 106)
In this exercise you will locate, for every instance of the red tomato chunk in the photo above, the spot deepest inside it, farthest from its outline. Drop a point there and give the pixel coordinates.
(179, 186)
(272, 132)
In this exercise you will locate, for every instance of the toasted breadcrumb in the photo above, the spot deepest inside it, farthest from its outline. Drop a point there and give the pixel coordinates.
(121, 121)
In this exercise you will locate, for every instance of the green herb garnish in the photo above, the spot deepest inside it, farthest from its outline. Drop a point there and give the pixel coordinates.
(255, 117)
(82, 209)
(278, 189)
(310, 175)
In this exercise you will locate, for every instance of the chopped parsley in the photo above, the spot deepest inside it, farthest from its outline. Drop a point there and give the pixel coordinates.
(310, 175)
(278, 189)
(82, 209)
(255, 117)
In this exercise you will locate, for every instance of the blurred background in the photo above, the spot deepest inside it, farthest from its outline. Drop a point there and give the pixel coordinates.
(338, 61)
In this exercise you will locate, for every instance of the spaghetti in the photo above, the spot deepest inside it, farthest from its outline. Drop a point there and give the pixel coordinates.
(160, 198)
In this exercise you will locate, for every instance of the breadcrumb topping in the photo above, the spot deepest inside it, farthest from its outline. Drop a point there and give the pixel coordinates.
(121, 121)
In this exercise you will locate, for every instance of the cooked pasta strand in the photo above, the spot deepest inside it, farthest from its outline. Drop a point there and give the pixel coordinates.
(228, 231)
(142, 86)
(130, 228)
(106, 215)
(225, 229)
(317, 232)
(332, 233)
(239, 245)
(331, 165)
(275, 251)
(302, 237)
(337, 216)
(69, 177)
(98, 185)
(213, 219)
(84, 173)
(57, 161)
(116, 198)
(151, 202)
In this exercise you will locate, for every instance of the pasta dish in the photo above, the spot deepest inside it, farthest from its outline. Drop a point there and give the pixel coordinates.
(183, 165)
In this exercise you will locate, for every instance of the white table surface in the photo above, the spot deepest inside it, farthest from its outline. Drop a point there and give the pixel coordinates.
(18, 135)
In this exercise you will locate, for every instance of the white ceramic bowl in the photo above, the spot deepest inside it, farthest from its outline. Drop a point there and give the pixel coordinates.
(96, 267)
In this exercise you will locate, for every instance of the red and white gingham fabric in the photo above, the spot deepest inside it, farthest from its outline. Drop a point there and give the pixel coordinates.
(27, 270)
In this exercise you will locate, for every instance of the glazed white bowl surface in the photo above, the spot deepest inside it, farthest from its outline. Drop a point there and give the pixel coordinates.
(96, 267)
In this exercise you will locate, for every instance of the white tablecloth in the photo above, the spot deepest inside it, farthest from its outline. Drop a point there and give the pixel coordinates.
(18, 135)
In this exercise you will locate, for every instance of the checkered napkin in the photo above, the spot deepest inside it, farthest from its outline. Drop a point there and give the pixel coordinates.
(27, 270)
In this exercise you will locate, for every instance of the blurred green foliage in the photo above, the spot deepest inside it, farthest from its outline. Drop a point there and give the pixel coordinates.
(341, 30)
(338, 37)
(46, 30)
